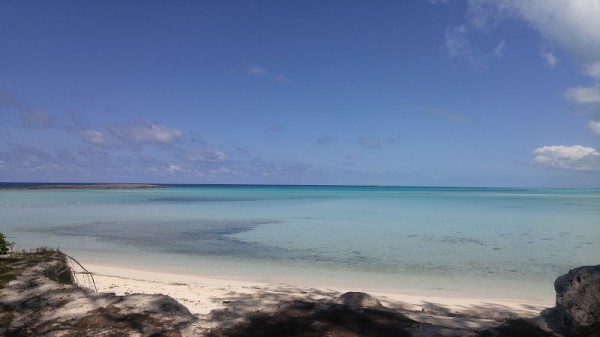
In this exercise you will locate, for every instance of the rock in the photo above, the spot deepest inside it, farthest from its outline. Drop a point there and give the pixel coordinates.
(37, 299)
(578, 300)
(358, 300)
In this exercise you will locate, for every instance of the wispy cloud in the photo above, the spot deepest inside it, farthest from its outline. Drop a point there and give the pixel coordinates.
(35, 118)
(324, 140)
(155, 133)
(594, 126)
(592, 70)
(276, 129)
(572, 26)
(30, 117)
(27, 160)
(498, 51)
(550, 58)
(588, 100)
(93, 136)
(584, 95)
(255, 70)
(576, 157)
(446, 115)
(144, 132)
(370, 142)
(171, 168)
(458, 45)
(206, 154)
(281, 78)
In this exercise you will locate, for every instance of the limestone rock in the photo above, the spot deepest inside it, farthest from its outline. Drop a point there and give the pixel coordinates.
(578, 300)
(358, 300)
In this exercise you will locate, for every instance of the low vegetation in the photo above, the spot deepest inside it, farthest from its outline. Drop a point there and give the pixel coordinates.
(5, 246)
(13, 264)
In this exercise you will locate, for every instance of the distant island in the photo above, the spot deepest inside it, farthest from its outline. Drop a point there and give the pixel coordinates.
(78, 186)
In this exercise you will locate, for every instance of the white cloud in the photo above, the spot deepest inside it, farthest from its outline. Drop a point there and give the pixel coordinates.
(550, 58)
(173, 168)
(151, 132)
(207, 155)
(593, 70)
(457, 43)
(219, 172)
(594, 126)
(256, 70)
(584, 95)
(499, 50)
(575, 25)
(459, 46)
(484, 14)
(93, 136)
(576, 157)
(145, 133)
(570, 24)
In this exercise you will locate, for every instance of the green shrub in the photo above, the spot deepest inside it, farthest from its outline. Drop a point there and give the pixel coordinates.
(5, 246)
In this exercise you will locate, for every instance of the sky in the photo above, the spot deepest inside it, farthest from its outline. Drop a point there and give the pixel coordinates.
(413, 92)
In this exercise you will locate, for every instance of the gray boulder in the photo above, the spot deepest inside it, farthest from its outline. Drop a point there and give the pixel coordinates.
(578, 300)
(358, 300)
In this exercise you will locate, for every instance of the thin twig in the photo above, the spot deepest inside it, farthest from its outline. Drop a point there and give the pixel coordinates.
(86, 271)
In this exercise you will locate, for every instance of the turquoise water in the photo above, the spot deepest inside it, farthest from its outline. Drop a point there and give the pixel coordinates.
(496, 242)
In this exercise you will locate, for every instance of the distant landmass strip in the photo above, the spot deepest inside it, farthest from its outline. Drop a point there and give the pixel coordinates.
(79, 186)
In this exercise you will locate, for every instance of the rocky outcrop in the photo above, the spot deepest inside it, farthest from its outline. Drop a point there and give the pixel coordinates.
(38, 298)
(578, 300)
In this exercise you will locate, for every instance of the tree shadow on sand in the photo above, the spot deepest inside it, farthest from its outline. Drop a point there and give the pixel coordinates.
(285, 311)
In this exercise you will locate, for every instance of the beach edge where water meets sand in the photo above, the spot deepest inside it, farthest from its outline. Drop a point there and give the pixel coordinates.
(203, 293)
(40, 297)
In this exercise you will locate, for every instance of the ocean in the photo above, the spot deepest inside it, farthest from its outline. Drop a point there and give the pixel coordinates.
(496, 242)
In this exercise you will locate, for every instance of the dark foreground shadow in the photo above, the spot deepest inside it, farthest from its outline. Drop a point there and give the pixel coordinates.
(305, 318)
(301, 319)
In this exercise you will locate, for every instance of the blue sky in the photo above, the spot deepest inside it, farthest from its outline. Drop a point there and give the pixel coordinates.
(416, 92)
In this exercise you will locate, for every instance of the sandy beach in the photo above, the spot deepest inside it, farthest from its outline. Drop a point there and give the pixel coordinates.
(202, 294)
(41, 297)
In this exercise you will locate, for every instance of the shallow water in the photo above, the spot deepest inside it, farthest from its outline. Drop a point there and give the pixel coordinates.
(496, 242)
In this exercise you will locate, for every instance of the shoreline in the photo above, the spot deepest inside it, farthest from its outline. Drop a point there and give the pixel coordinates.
(41, 299)
(202, 293)
(416, 285)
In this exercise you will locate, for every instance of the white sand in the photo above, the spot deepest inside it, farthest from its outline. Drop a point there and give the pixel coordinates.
(201, 294)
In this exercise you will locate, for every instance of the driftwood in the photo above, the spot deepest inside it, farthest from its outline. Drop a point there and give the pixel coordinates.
(85, 272)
